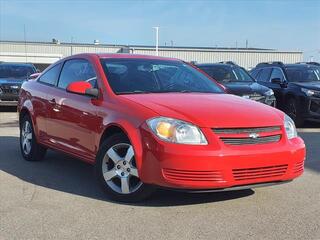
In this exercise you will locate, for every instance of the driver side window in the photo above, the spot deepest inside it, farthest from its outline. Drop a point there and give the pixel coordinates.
(77, 70)
(277, 73)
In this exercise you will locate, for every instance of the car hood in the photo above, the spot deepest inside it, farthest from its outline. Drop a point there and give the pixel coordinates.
(210, 110)
(243, 88)
(13, 81)
(310, 85)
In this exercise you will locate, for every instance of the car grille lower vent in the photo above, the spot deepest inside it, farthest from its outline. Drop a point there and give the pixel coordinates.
(249, 136)
(188, 175)
(298, 167)
(257, 173)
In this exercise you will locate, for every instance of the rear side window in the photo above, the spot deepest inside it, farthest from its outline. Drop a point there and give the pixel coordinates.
(264, 75)
(254, 73)
(218, 73)
(77, 70)
(51, 76)
(277, 73)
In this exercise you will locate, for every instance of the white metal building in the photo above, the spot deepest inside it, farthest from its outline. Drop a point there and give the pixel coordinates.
(45, 53)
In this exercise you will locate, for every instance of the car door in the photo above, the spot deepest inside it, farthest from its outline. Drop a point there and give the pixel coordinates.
(40, 101)
(73, 119)
(277, 88)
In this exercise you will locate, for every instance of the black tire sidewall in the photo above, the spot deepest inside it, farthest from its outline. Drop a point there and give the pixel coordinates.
(298, 118)
(37, 152)
(143, 192)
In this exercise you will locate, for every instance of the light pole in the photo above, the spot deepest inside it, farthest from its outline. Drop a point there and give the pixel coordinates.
(157, 40)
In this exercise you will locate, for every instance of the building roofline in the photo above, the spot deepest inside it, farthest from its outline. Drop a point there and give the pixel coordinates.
(147, 47)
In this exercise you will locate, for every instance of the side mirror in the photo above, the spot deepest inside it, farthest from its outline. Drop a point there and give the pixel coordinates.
(83, 88)
(279, 81)
(276, 81)
(34, 76)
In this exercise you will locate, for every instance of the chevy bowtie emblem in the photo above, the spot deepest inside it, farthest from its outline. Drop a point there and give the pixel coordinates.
(254, 135)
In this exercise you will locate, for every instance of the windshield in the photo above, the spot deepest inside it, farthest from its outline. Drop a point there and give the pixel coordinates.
(227, 73)
(303, 74)
(127, 76)
(15, 71)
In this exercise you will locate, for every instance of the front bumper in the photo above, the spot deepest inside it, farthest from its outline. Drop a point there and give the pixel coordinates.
(311, 106)
(218, 166)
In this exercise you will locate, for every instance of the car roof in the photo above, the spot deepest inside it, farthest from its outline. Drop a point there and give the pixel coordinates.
(16, 64)
(282, 65)
(133, 56)
(300, 65)
(215, 65)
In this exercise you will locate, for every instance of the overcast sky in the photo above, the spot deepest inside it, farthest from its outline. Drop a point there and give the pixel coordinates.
(281, 24)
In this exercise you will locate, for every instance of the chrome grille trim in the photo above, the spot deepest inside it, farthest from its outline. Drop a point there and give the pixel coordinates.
(248, 141)
(245, 130)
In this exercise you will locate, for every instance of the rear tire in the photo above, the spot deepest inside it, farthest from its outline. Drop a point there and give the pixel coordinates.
(117, 173)
(31, 150)
(293, 110)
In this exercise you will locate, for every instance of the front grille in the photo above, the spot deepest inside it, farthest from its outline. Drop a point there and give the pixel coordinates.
(245, 130)
(249, 140)
(259, 173)
(298, 167)
(249, 136)
(7, 89)
(257, 97)
(188, 175)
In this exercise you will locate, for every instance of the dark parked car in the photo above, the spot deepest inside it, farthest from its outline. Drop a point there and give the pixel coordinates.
(296, 87)
(238, 81)
(12, 76)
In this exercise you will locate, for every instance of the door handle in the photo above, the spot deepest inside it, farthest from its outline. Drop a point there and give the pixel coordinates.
(52, 101)
(54, 104)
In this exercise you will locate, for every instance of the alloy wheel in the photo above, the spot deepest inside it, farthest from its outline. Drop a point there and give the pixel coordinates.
(119, 169)
(26, 137)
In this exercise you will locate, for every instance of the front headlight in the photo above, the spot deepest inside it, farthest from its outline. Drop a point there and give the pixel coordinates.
(290, 127)
(269, 93)
(176, 131)
(308, 92)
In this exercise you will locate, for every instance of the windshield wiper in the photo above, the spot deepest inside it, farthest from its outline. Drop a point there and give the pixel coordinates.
(133, 92)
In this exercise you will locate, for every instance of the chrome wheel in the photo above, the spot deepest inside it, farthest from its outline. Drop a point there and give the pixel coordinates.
(119, 169)
(26, 137)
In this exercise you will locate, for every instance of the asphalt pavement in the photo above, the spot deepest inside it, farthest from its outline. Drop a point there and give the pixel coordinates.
(58, 199)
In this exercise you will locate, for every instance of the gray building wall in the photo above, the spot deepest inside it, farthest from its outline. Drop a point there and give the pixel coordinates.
(246, 58)
(47, 53)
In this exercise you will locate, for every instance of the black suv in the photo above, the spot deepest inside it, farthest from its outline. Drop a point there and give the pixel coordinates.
(296, 87)
(238, 81)
(12, 76)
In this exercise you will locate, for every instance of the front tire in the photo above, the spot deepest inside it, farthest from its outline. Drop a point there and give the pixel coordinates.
(117, 173)
(294, 112)
(31, 150)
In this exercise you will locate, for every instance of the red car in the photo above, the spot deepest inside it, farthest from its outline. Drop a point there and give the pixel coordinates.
(146, 121)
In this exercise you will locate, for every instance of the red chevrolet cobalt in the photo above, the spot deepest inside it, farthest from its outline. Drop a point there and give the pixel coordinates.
(146, 121)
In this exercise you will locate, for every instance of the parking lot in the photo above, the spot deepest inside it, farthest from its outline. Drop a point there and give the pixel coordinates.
(59, 199)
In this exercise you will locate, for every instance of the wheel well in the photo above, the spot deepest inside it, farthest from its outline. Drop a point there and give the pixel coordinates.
(111, 131)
